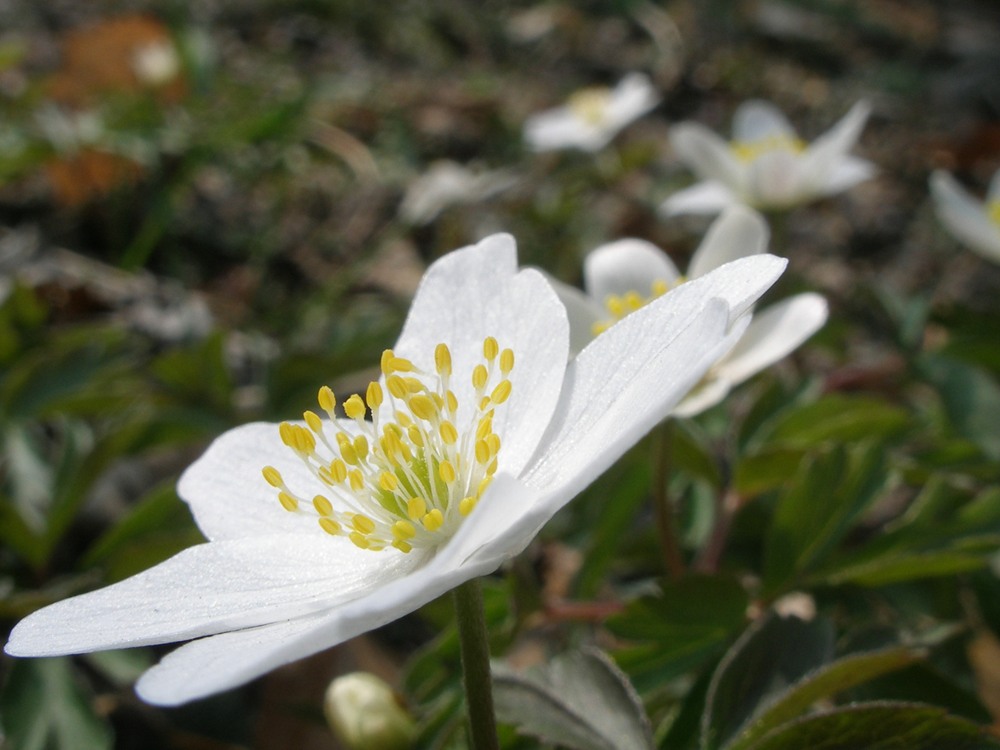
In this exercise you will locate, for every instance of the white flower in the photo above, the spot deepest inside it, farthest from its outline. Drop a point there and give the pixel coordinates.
(624, 276)
(364, 714)
(447, 183)
(591, 117)
(974, 222)
(766, 165)
(470, 451)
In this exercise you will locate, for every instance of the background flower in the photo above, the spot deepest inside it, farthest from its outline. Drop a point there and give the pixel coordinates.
(766, 165)
(974, 222)
(622, 276)
(270, 587)
(591, 117)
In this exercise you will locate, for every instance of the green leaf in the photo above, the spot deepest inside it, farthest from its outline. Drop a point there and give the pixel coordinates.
(579, 700)
(44, 707)
(971, 398)
(879, 726)
(770, 656)
(826, 681)
(767, 470)
(839, 419)
(829, 493)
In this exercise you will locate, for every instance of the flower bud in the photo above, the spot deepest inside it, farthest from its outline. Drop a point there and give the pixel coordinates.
(365, 714)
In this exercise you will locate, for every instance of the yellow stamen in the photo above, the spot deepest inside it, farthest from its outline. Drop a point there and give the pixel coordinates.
(354, 407)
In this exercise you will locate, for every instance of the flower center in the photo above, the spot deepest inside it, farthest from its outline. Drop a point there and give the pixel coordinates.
(993, 211)
(618, 306)
(591, 105)
(750, 151)
(409, 480)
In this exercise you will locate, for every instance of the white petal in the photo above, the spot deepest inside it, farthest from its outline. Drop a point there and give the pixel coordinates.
(757, 120)
(964, 216)
(630, 377)
(212, 588)
(821, 159)
(706, 154)
(707, 197)
(774, 333)
(583, 312)
(501, 526)
(477, 292)
(737, 233)
(774, 180)
(562, 128)
(633, 97)
(846, 174)
(628, 265)
(703, 396)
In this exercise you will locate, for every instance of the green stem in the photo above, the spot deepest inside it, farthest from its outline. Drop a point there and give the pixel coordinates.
(663, 507)
(476, 665)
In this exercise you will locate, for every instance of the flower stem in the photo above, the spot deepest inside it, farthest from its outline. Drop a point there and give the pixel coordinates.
(476, 665)
(663, 507)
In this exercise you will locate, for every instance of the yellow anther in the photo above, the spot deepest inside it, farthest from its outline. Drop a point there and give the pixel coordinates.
(327, 401)
(993, 211)
(479, 377)
(598, 328)
(451, 401)
(325, 476)
(312, 419)
(416, 508)
(466, 504)
(361, 447)
(359, 540)
(403, 530)
(483, 403)
(416, 436)
(386, 361)
(323, 506)
(401, 364)
(506, 361)
(348, 453)
(493, 441)
(485, 426)
(388, 482)
(492, 468)
(615, 305)
(302, 440)
(402, 546)
(448, 433)
(659, 287)
(338, 470)
(633, 301)
(483, 485)
(396, 385)
(483, 452)
(442, 360)
(423, 407)
(273, 477)
(413, 385)
(363, 524)
(354, 407)
(374, 396)
(749, 151)
(447, 472)
(438, 401)
(501, 392)
(402, 422)
(286, 432)
(434, 520)
(356, 479)
(288, 502)
(330, 526)
(490, 348)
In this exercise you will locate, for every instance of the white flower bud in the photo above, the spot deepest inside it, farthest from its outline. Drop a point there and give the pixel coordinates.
(365, 714)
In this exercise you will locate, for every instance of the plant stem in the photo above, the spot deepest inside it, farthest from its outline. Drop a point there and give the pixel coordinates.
(663, 507)
(476, 665)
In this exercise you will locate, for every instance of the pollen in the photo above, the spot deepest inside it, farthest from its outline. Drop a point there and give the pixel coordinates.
(413, 457)
(619, 306)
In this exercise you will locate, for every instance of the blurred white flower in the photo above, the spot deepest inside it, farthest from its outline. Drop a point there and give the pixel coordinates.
(591, 117)
(365, 714)
(447, 183)
(766, 165)
(974, 222)
(624, 276)
(156, 63)
(464, 458)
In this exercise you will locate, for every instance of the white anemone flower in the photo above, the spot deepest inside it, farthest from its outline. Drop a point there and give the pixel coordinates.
(623, 277)
(321, 529)
(974, 222)
(766, 165)
(592, 116)
(447, 183)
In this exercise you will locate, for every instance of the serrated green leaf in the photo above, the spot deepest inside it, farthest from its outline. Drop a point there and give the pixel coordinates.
(44, 707)
(579, 700)
(879, 726)
(769, 657)
(824, 682)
